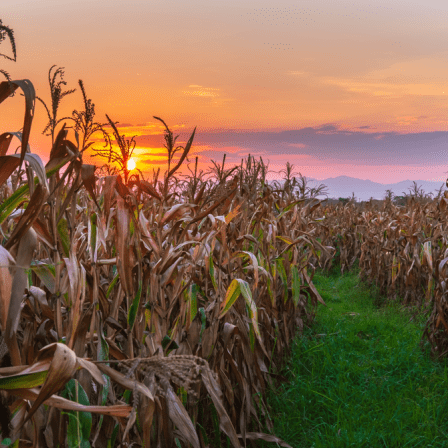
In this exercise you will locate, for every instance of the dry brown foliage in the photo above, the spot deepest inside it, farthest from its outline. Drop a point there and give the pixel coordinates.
(153, 310)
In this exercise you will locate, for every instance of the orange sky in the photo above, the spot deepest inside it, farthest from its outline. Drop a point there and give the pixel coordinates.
(361, 86)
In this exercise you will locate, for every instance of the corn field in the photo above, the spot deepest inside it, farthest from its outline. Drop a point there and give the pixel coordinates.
(157, 311)
(146, 301)
(136, 311)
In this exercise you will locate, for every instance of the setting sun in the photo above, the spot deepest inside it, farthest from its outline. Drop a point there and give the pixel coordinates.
(131, 164)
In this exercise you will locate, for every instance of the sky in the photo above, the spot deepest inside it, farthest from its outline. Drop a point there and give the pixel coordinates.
(338, 88)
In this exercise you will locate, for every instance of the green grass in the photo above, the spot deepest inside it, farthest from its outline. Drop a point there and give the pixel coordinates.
(369, 385)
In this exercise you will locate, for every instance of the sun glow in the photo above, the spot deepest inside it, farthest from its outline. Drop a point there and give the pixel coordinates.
(131, 164)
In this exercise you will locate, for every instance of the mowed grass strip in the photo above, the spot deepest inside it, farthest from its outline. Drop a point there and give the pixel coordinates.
(359, 377)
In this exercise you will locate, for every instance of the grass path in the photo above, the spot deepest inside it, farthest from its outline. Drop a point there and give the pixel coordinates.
(366, 383)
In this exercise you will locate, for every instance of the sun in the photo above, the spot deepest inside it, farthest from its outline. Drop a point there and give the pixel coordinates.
(131, 165)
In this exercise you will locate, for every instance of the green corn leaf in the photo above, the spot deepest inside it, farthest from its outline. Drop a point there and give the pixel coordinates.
(23, 381)
(233, 292)
(79, 423)
(193, 301)
(111, 286)
(111, 441)
(167, 341)
(211, 267)
(251, 337)
(127, 396)
(13, 202)
(30, 276)
(134, 307)
(18, 197)
(183, 395)
(8, 442)
(93, 231)
(203, 322)
(64, 236)
(131, 228)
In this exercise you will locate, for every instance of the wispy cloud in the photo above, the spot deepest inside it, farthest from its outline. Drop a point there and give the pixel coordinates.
(412, 77)
(201, 91)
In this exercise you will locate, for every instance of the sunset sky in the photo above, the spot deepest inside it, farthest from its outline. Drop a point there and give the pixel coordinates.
(336, 88)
